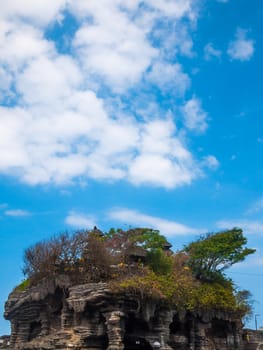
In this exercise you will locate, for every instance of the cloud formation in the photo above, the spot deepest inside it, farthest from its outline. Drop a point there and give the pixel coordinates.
(166, 227)
(80, 221)
(242, 48)
(74, 111)
(17, 212)
(210, 52)
(195, 118)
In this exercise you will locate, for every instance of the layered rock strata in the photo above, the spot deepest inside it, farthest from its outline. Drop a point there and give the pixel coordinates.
(55, 315)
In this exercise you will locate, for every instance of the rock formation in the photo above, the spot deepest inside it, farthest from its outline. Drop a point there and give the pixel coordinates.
(55, 315)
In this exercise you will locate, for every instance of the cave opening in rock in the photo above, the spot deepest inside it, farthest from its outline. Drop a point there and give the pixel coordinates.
(135, 325)
(34, 330)
(178, 326)
(136, 343)
(219, 328)
(135, 331)
(97, 342)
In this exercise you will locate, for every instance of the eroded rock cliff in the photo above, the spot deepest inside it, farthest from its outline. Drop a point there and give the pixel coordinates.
(55, 315)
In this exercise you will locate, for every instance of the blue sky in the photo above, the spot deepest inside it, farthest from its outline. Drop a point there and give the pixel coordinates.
(127, 113)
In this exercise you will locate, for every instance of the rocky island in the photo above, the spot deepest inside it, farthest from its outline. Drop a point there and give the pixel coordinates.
(128, 290)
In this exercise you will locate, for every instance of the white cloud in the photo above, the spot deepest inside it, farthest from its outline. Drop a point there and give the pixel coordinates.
(84, 140)
(163, 160)
(169, 77)
(5, 83)
(241, 48)
(195, 118)
(17, 212)
(57, 121)
(36, 86)
(158, 171)
(210, 51)
(20, 43)
(39, 12)
(114, 42)
(248, 226)
(166, 227)
(80, 221)
(174, 8)
(211, 162)
(113, 47)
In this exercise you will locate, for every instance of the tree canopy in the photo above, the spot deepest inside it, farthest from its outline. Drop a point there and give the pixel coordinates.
(211, 254)
(94, 255)
(140, 260)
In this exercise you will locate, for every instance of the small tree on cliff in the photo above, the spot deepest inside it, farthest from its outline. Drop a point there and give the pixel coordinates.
(211, 254)
(59, 254)
(96, 259)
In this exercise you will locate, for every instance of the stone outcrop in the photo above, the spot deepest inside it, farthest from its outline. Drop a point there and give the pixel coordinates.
(55, 315)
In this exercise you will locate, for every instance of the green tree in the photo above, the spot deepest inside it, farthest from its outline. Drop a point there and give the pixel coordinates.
(144, 242)
(145, 238)
(160, 262)
(211, 254)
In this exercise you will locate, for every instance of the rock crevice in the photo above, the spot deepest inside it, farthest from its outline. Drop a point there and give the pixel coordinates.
(55, 315)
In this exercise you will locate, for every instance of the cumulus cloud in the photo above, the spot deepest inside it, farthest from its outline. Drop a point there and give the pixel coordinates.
(80, 221)
(169, 77)
(39, 12)
(58, 123)
(115, 50)
(242, 48)
(211, 162)
(163, 159)
(210, 51)
(195, 118)
(166, 227)
(176, 9)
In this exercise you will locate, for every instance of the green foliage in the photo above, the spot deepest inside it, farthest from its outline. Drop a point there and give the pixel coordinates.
(159, 262)
(137, 261)
(147, 238)
(146, 284)
(209, 256)
(23, 286)
(213, 296)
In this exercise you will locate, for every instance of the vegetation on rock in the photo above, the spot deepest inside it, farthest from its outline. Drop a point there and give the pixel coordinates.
(140, 261)
(211, 254)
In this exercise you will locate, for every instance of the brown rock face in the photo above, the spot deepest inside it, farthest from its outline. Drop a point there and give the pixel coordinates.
(54, 315)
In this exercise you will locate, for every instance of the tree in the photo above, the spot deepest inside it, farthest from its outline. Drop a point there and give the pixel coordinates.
(245, 302)
(96, 259)
(60, 254)
(211, 254)
(141, 244)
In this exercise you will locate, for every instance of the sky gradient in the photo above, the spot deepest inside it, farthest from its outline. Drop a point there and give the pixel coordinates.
(125, 113)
